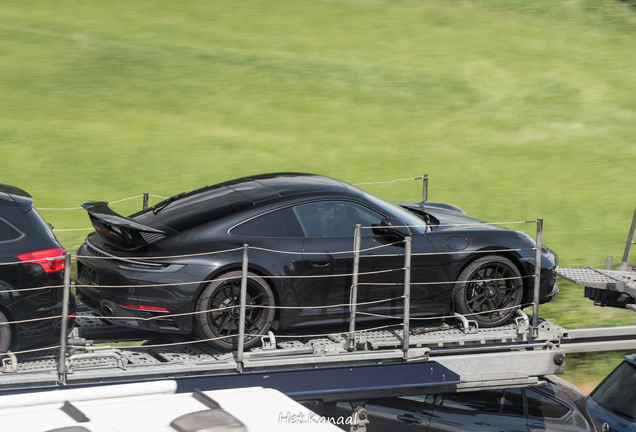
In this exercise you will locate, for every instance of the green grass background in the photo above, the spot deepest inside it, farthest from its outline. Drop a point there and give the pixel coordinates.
(516, 110)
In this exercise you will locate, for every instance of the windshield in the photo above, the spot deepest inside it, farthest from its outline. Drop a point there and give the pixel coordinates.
(414, 223)
(617, 392)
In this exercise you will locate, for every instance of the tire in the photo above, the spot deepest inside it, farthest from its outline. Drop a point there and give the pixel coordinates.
(224, 292)
(489, 291)
(5, 334)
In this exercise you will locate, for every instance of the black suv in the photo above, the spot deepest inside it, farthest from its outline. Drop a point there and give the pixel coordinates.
(31, 275)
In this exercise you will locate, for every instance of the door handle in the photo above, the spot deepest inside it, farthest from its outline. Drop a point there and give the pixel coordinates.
(320, 263)
(409, 419)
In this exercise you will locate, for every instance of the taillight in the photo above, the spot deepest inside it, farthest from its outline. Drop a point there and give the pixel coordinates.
(51, 260)
(146, 308)
(71, 315)
(102, 230)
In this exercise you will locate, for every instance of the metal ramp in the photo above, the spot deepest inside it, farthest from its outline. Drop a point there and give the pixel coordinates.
(605, 287)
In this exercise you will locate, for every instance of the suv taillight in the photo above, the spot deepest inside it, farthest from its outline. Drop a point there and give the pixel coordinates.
(51, 260)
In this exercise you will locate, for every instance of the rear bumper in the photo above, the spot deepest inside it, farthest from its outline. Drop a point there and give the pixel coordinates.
(120, 315)
(107, 286)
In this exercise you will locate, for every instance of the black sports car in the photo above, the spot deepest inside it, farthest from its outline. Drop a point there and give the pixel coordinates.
(30, 258)
(182, 259)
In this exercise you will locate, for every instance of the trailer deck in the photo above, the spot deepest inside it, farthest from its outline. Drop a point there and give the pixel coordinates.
(489, 352)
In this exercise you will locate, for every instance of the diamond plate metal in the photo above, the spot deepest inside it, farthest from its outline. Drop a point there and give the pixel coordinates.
(291, 344)
(88, 320)
(589, 276)
(182, 354)
(138, 357)
(611, 280)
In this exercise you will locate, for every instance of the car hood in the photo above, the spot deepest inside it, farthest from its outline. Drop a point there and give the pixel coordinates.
(447, 217)
(458, 221)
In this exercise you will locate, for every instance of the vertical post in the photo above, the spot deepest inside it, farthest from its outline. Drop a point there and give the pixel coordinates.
(61, 369)
(407, 295)
(354, 288)
(630, 239)
(537, 279)
(145, 200)
(241, 335)
(425, 186)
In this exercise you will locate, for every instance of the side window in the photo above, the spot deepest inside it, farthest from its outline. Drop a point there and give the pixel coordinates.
(512, 402)
(8, 232)
(336, 219)
(280, 223)
(482, 401)
(540, 405)
(423, 403)
(427, 399)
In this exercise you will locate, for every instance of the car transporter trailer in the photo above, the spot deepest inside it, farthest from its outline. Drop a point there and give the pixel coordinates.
(447, 355)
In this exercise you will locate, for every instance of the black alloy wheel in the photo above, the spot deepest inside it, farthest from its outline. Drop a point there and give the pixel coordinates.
(219, 311)
(489, 291)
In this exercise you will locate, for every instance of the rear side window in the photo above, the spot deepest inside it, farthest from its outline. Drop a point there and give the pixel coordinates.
(540, 405)
(508, 401)
(281, 223)
(512, 402)
(483, 401)
(8, 232)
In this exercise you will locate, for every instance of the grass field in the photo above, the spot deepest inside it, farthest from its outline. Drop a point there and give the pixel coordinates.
(515, 109)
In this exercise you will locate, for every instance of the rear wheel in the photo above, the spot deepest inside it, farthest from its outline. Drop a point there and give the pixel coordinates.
(219, 307)
(5, 333)
(489, 291)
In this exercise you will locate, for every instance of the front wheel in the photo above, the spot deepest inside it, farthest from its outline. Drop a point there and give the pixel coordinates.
(219, 306)
(489, 291)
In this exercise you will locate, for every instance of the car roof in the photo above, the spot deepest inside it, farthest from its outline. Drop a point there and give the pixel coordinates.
(269, 186)
(190, 209)
(11, 193)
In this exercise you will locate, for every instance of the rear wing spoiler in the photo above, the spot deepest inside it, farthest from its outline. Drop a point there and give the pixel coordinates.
(119, 230)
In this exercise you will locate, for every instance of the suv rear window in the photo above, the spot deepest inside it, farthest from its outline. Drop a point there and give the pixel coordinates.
(36, 219)
(8, 232)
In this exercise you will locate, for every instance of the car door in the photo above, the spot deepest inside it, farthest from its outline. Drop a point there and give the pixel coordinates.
(328, 260)
(394, 414)
(486, 410)
(275, 240)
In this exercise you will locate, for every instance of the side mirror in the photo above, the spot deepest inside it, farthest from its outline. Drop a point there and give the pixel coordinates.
(392, 226)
